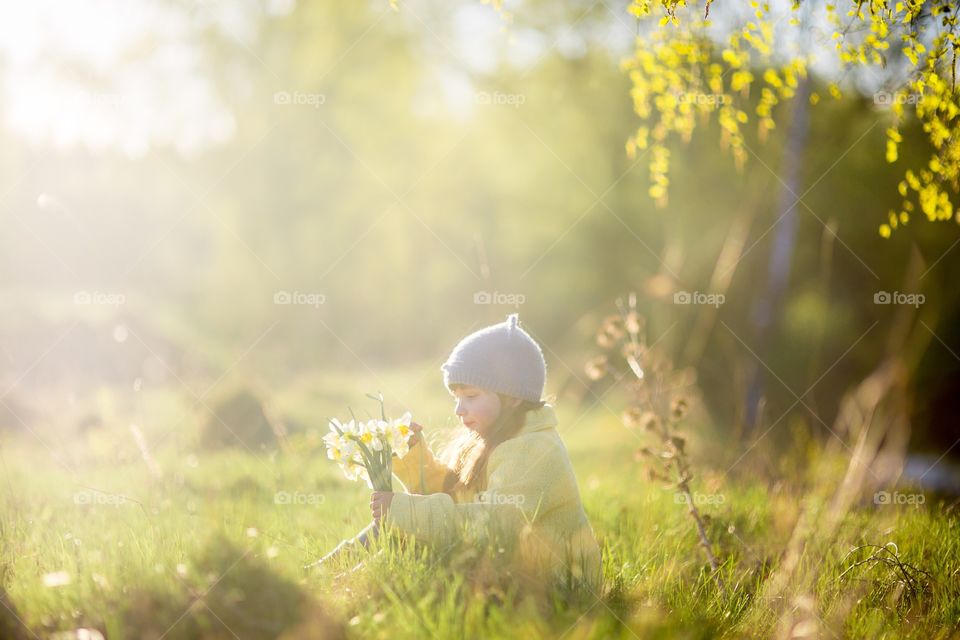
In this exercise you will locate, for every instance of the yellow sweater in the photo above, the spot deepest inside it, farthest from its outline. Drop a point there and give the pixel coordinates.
(531, 493)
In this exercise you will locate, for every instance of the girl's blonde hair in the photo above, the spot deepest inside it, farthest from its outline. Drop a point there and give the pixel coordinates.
(467, 454)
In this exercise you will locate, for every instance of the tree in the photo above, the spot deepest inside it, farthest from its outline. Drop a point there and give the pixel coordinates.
(686, 66)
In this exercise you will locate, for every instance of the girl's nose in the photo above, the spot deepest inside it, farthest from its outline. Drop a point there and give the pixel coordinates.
(460, 410)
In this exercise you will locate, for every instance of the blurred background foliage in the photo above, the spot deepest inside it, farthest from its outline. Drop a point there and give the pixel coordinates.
(391, 166)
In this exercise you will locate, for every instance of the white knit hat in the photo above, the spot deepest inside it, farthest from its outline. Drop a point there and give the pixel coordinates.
(501, 358)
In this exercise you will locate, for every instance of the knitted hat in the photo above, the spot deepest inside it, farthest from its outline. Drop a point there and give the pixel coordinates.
(502, 358)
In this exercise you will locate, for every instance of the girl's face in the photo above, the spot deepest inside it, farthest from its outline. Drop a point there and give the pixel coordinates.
(477, 408)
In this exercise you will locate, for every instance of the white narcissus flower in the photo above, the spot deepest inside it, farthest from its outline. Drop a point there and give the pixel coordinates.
(335, 445)
(344, 445)
(372, 435)
(400, 433)
(332, 440)
(340, 446)
(351, 450)
(354, 471)
(351, 469)
(346, 429)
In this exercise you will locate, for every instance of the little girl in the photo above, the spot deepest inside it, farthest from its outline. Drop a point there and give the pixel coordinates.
(507, 471)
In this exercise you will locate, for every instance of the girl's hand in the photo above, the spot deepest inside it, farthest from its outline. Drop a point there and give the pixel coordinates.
(417, 429)
(380, 503)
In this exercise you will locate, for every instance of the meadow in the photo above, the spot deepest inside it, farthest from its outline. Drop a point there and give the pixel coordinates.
(178, 540)
(223, 224)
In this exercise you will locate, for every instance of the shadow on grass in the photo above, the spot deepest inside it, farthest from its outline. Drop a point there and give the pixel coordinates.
(11, 624)
(229, 592)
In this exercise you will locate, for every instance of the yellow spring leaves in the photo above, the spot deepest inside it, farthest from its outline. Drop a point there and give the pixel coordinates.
(680, 77)
(936, 106)
(893, 139)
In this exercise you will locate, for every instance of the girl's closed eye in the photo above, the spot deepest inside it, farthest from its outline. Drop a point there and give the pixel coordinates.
(476, 408)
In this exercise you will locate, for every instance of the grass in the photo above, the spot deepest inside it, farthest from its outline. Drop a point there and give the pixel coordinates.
(205, 550)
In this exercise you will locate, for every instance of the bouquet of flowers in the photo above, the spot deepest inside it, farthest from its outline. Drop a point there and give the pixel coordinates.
(365, 450)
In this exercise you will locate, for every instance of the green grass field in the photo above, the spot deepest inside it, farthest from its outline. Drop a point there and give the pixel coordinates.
(195, 544)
